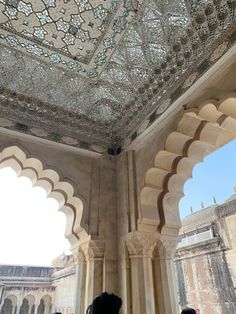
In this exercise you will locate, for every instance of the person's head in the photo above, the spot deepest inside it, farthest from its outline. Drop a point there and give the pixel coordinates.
(188, 310)
(105, 303)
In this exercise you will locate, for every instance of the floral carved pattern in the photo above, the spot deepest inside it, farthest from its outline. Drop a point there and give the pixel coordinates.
(84, 85)
(76, 30)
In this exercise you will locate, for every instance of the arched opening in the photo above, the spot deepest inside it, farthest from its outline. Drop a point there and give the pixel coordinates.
(47, 301)
(41, 307)
(197, 135)
(30, 281)
(204, 260)
(212, 182)
(27, 212)
(25, 307)
(9, 305)
(49, 180)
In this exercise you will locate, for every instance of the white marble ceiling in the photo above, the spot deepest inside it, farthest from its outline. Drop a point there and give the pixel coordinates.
(94, 70)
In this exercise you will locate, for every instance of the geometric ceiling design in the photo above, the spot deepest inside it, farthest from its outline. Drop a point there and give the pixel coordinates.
(77, 34)
(93, 71)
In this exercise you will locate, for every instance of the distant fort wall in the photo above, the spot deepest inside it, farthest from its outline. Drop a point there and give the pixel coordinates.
(37, 289)
(205, 260)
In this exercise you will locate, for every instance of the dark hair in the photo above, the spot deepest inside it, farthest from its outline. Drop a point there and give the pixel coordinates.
(106, 303)
(188, 310)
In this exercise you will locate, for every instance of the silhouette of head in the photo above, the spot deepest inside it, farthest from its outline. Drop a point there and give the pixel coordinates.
(105, 303)
(188, 310)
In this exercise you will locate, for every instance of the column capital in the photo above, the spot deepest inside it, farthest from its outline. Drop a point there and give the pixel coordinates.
(89, 249)
(79, 257)
(95, 249)
(140, 244)
(166, 247)
(89, 257)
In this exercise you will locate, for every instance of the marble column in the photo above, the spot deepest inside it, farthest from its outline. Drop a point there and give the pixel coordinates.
(164, 276)
(47, 308)
(140, 249)
(36, 308)
(90, 274)
(79, 301)
(2, 290)
(151, 274)
(18, 306)
(15, 310)
(94, 270)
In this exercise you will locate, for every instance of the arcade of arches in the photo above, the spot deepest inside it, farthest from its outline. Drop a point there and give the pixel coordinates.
(39, 289)
(122, 209)
(28, 304)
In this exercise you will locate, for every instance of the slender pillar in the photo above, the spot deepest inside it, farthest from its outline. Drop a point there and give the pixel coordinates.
(90, 274)
(2, 290)
(140, 247)
(94, 270)
(14, 309)
(19, 303)
(164, 276)
(36, 308)
(79, 301)
(53, 307)
(151, 274)
(30, 308)
(47, 308)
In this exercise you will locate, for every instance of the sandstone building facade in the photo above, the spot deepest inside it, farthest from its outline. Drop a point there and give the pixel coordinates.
(108, 105)
(38, 290)
(205, 260)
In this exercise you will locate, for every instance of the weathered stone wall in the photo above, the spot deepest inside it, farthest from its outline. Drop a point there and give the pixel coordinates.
(64, 283)
(205, 260)
(230, 222)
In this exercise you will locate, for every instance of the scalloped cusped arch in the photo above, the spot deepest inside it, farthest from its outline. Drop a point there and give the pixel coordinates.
(62, 191)
(197, 135)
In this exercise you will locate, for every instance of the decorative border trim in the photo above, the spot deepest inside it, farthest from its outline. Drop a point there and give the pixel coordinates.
(114, 33)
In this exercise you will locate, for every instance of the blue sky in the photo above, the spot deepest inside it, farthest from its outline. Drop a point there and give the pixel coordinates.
(216, 175)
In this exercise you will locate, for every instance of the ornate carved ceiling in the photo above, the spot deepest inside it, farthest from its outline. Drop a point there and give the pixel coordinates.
(79, 35)
(93, 71)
